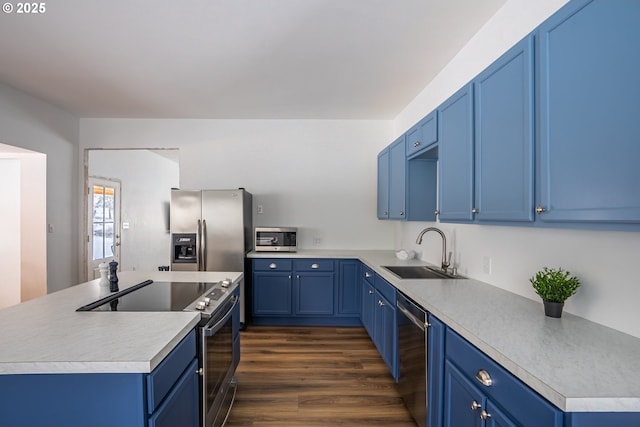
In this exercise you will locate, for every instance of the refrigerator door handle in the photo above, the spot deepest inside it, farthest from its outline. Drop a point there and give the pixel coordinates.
(204, 245)
(199, 246)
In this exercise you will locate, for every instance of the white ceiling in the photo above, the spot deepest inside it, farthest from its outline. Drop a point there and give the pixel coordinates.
(238, 59)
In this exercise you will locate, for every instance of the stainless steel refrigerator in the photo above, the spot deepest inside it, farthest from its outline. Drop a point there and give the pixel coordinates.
(211, 230)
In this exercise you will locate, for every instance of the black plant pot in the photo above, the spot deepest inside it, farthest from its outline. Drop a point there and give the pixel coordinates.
(553, 309)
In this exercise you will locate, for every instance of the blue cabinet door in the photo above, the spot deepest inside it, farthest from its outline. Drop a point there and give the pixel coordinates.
(504, 137)
(397, 179)
(314, 293)
(272, 294)
(455, 151)
(368, 307)
(589, 127)
(383, 184)
(462, 400)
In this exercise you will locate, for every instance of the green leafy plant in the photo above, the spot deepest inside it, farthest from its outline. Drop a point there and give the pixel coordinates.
(554, 285)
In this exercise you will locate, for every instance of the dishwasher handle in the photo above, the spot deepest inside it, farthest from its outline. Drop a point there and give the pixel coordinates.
(419, 323)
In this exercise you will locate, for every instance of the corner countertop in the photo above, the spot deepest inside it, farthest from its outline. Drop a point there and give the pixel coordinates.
(576, 364)
(47, 335)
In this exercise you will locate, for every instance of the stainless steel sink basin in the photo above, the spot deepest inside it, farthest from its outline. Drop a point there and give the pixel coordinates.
(419, 272)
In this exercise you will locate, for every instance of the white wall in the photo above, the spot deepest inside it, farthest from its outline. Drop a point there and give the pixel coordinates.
(604, 261)
(10, 232)
(30, 123)
(146, 181)
(318, 175)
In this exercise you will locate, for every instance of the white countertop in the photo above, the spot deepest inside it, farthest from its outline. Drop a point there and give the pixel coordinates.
(576, 364)
(47, 335)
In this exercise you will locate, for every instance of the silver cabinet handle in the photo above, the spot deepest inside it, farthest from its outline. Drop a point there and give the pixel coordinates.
(273, 265)
(380, 303)
(401, 213)
(475, 406)
(540, 209)
(436, 212)
(289, 277)
(474, 210)
(297, 276)
(484, 378)
(314, 266)
(416, 144)
(370, 292)
(484, 415)
(367, 274)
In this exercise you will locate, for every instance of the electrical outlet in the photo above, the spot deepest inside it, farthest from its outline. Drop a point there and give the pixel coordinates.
(260, 210)
(486, 264)
(317, 240)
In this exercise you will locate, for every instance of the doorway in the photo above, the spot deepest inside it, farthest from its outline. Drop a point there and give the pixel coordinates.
(103, 224)
(146, 177)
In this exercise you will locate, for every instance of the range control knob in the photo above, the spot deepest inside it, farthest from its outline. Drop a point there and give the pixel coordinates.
(207, 301)
(225, 283)
(200, 305)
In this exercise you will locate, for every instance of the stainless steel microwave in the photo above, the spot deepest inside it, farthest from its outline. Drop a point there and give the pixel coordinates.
(276, 239)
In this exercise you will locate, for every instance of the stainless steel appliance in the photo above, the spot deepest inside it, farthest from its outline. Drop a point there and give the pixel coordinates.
(276, 239)
(413, 333)
(218, 353)
(211, 230)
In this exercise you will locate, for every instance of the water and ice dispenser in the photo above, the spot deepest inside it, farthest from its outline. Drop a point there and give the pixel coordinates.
(184, 248)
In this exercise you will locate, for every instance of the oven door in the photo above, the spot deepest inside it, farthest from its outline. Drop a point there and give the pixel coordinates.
(216, 358)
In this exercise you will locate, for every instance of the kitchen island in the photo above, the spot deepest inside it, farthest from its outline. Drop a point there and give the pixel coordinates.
(577, 365)
(49, 351)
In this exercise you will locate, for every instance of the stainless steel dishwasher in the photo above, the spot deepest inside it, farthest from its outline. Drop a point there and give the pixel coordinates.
(413, 332)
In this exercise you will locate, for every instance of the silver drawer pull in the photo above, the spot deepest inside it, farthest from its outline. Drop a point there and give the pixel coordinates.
(273, 265)
(484, 415)
(314, 266)
(484, 378)
(367, 274)
(416, 144)
(475, 406)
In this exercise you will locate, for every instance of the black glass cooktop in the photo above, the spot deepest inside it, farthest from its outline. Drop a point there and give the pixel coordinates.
(152, 296)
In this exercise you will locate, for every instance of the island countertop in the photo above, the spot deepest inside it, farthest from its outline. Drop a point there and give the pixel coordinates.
(577, 364)
(48, 335)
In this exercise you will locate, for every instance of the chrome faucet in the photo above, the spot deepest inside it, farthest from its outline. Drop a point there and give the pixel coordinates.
(445, 262)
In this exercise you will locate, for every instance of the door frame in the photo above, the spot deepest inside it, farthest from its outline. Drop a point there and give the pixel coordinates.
(88, 230)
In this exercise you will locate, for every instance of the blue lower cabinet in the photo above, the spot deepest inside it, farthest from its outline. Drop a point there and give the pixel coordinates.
(166, 397)
(305, 291)
(379, 318)
(181, 408)
(479, 392)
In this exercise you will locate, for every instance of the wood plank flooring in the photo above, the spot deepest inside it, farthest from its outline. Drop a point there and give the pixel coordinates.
(314, 377)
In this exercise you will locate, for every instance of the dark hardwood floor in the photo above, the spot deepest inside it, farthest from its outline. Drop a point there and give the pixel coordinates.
(314, 377)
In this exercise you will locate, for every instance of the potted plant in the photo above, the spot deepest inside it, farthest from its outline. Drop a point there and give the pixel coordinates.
(554, 286)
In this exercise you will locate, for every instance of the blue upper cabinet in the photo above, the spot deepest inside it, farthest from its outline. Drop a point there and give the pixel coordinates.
(504, 143)
(423, 135)
(455, 153)
(589, 103)
(397, 179)
(406, 188)
(383, 184)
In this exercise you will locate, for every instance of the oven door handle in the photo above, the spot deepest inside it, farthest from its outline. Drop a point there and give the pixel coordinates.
(210, 330)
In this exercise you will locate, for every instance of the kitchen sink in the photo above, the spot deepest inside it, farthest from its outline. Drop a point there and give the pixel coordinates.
(419, 272)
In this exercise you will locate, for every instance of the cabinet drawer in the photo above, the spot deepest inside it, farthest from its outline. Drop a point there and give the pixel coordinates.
(314, 265)
(506, 390)
(386, 289)
(272, 264)
(162, 379)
